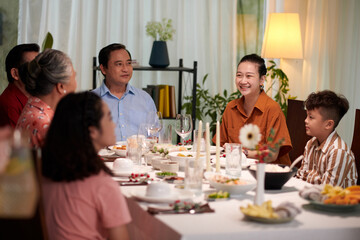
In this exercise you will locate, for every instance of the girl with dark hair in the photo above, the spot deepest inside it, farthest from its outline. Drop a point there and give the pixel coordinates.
(47, 78)
(257, 108)
(81, 200)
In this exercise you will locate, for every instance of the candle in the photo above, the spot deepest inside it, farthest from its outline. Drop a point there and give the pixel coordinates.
(207, 146)
(217, 146)
(198, 140)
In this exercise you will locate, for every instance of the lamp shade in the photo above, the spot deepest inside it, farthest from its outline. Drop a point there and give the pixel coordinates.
(282, 38)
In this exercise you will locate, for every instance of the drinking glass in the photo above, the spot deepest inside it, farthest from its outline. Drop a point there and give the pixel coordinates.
(233, 159)
(146, 139)
(154, 121)
(183, 125)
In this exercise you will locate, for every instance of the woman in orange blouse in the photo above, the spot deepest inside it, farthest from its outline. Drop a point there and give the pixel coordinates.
(257, 108)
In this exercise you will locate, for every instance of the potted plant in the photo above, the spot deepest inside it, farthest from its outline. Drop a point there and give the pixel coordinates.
(160, 32)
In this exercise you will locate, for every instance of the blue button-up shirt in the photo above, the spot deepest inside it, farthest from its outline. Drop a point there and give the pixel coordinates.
(129, 111)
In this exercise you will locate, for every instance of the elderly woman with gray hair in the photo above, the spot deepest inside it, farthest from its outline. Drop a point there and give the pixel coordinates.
(47, 78)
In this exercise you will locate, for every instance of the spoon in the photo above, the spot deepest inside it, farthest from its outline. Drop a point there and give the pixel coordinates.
(296, 161)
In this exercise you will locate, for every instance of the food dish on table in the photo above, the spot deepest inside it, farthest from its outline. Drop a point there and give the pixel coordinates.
(332, 199)
(231, 185)
(175, 194)
(119, 150)
(275, 180)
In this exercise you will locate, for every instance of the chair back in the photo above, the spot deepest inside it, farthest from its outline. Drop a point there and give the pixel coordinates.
(30, 228)
(355, 146)
(295, 121)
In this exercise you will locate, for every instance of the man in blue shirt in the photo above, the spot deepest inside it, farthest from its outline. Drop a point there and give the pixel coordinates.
(129, 105)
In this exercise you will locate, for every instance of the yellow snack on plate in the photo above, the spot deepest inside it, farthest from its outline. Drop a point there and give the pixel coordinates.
(263, 211)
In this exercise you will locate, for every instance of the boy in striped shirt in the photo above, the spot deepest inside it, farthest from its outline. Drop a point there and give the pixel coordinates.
(327, 158)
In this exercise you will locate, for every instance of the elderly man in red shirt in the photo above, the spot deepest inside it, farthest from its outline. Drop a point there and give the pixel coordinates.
(14, 97)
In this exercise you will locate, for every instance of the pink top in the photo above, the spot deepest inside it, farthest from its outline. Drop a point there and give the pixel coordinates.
(84, 209)
(35, 118)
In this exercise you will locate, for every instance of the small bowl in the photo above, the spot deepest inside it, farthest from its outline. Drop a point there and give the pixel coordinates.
(123, 165)
(169, 166)
(275, 180)
(156, 162)
(160, 189)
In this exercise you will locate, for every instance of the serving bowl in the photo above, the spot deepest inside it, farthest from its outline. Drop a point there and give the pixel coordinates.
(240, 186)
(275, 180)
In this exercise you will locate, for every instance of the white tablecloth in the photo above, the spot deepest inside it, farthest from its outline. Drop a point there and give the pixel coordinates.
(228, 221)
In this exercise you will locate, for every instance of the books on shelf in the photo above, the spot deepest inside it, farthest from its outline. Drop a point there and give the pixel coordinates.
(164, 98)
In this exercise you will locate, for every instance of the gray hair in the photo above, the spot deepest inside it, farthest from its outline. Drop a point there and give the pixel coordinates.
(42, 74)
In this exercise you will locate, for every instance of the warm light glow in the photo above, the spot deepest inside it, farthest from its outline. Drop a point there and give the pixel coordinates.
(282, 38)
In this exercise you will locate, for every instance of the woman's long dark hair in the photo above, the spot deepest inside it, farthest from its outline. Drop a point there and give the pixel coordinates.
(68, 153)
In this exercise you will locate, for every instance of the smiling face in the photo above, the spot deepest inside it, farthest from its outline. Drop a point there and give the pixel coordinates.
(248, 79)
(119, 70)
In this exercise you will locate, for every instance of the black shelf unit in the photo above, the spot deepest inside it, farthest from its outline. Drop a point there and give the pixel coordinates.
(180, 69)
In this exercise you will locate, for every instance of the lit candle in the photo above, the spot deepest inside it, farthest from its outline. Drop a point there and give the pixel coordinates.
(207, 146)
(198, 144)
(217, 146)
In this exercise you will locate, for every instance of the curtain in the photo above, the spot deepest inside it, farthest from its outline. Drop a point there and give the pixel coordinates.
(205, 32)
(331, 36)
(250, 27)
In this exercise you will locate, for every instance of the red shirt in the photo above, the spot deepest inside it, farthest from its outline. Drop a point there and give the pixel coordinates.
(12, 102)
(35, 118)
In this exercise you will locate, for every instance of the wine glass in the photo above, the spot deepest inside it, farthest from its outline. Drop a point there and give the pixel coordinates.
(183, 125)
(154, 122)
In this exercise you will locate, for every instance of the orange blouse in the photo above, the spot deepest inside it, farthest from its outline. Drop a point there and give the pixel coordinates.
(266, 115)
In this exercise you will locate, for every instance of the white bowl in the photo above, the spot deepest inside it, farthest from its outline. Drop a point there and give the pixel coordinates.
(169, 166)
(156, 162)
(174, 156)
(233, 189)
(119, 152)
(160, 189)
(123, 165)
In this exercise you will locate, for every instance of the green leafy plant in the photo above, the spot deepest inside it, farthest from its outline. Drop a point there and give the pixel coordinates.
(208, 105)
(160, 31)
(282, 95)
(47, 42)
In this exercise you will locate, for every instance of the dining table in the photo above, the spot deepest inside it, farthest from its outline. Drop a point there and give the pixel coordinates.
(228, 222)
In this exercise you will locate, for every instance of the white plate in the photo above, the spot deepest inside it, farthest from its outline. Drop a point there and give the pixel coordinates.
(234, 189)
(121, 153)
(136, 170)
(212, 149)
(244, 163)
(176, 194)
(105, 152)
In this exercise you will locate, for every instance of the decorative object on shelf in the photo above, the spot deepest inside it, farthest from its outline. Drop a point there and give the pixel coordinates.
(282, 39)
(160, 32)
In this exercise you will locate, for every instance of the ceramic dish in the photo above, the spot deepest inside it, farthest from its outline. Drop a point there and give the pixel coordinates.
(246, 162)
(174, 156)
(175, 194)
(268, 220)
(233, 189)
(212, 149)
(120, 152)
(106, 153)
(334, 207)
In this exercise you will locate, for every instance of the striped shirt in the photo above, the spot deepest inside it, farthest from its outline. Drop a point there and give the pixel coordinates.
(331, 162)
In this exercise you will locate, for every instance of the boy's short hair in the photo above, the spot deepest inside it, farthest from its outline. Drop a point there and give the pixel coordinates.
(331, 106)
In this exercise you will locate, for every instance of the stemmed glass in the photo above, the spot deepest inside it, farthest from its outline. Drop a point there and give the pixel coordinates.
(154, 122)
(183, 125)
